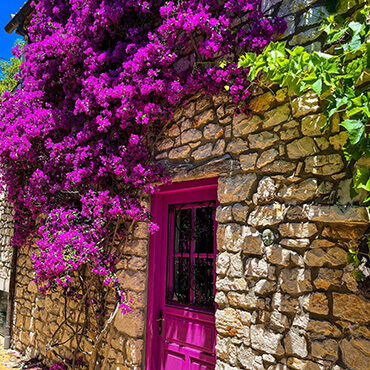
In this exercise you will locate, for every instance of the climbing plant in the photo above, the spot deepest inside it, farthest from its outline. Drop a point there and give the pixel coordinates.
(101, 78)
(340, 76)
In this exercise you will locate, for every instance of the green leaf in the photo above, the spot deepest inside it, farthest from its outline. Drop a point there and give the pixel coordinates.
(356, 130)
(317, 86)
(355, 43)
(354, 111)
(356, 27)
(361, 179)
(358, 275)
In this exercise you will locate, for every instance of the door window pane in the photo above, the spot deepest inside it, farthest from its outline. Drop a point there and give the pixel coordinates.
(191, 254)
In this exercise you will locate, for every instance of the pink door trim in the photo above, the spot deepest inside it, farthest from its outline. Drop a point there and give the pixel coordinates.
(175, 193)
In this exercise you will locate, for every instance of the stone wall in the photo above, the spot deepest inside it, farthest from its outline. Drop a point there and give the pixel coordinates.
(37, 316)
(6, 233)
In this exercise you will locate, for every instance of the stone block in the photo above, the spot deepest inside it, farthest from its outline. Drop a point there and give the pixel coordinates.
(276, 116)
(289, 131)
(313, 16)
(261, 102)
(262, 140)
(318, 303)
(344, 232)
(325, 350)
(253, 244)
(240, 212)
(203, 152)
(213, 131)
(138, 247)
(131, 323)
(203, 103)
(248, 161)
(351, 307)
(296, 244)
(223, 214)
(322, 329)
(336, 214)
(267, 215)
(355, 353)
(226, 284)
(278, 321)
(285, 303)
(237, 146)
(295, 281)
(219, 148)
(134, 350)
(136, 263)
(299, 364)
(305, 104)
(256, 268)
(324, 165)
(246, 301)
(280, 167)
(233, 238)
(278, 256)
(165, 144)
(265, 287)
(322, 243)
(189, 110)
(236, 266)
(267, 157)
(266, 190)
(133, 280)
(300, 148)
(322, 143)
(327, 278)
(244, 125)
(250, 359)
(232, 322)
(295, 344)
(266, 341)
(300, 192)
(299, 39)
(236, 188)
(190, 136)
(339, 140)
(180, 152)
(205, 117)
(298, 230)
(333, 257)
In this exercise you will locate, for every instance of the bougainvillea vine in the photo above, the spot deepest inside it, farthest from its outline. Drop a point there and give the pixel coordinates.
(100, 80)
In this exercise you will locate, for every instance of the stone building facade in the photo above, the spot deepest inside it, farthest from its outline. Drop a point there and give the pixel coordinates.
(286, 297)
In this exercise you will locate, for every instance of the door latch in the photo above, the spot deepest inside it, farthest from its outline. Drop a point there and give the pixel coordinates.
(160, 320)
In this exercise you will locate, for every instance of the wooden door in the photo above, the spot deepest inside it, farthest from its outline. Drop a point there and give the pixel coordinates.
(180, 319)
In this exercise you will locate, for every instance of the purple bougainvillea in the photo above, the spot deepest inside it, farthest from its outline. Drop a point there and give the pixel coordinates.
(100, 78)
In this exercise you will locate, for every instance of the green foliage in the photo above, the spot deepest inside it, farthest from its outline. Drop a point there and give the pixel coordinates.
(8, 71)
(341, 78)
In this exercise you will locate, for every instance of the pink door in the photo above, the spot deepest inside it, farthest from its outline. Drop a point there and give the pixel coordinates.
(181, 332)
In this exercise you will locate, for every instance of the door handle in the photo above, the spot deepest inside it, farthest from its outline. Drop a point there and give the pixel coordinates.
(160, 320)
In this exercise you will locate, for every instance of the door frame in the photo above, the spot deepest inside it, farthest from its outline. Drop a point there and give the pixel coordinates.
(184, 190)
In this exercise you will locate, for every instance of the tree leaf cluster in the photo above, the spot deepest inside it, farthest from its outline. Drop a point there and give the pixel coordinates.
(9, 69)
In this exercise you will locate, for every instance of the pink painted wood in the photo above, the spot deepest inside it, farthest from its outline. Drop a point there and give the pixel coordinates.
(189, 336)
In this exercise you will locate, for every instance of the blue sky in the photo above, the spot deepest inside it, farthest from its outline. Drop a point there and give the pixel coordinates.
(7, 7)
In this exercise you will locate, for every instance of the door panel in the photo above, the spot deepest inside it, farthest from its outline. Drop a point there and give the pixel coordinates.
(188, 331)
(181, 330)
